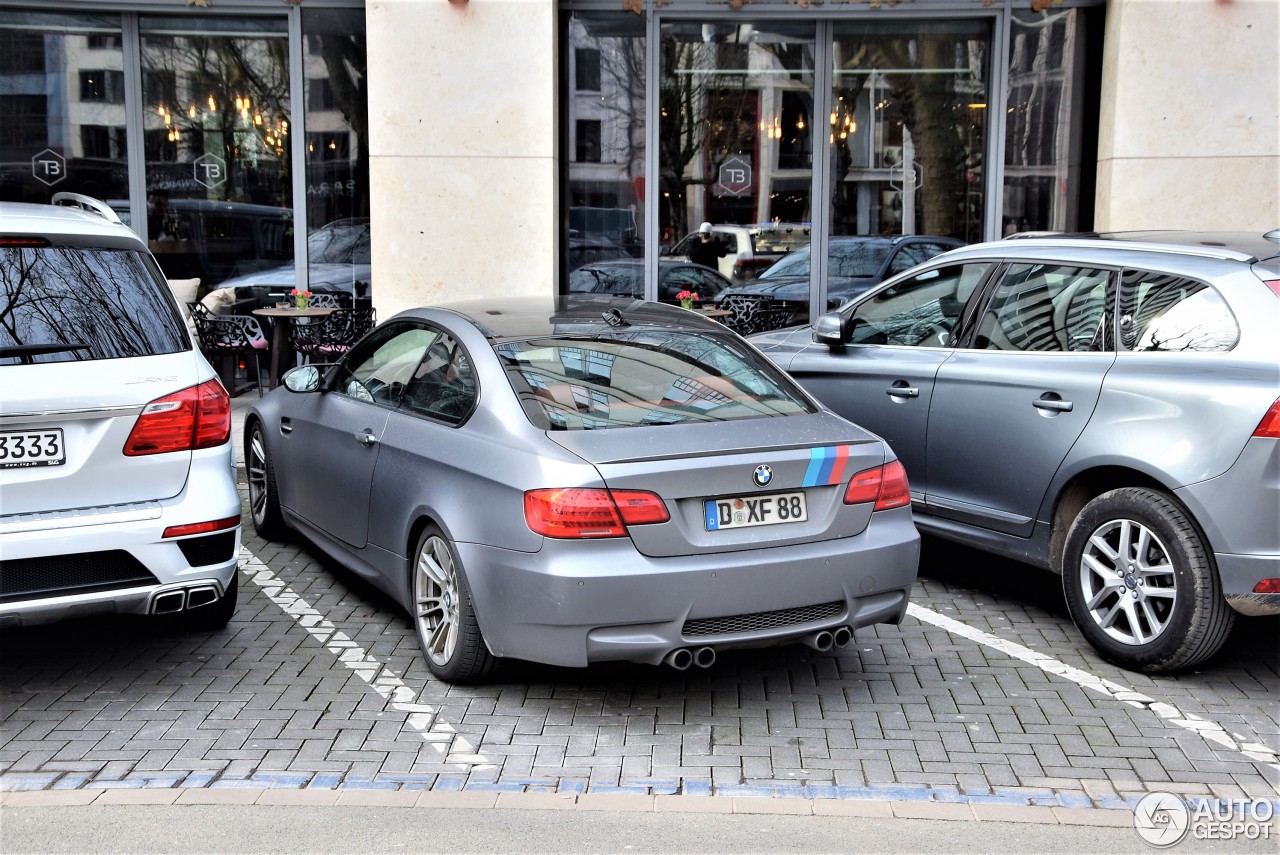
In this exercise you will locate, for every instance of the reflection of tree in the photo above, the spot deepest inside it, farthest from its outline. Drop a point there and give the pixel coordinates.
(345, 60)
(925, 103)
(236, 102)
(43, 297)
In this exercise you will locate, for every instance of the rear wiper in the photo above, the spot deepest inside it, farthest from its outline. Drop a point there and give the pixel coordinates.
(27, 353)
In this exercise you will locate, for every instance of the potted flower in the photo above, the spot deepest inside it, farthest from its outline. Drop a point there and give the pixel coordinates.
(687, 298)
(300, 298)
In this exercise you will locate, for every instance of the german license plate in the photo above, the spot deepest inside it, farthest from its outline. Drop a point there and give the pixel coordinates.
(747, 511)
(31, 448)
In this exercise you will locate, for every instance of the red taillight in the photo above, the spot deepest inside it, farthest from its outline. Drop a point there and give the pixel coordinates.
(1267, 586)
(885, 485)
(1270, 425)
(201, 527)
(1274, 285)
(196, 417)
(581, 513)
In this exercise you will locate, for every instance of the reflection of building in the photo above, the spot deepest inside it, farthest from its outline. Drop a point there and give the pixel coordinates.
(491, 123)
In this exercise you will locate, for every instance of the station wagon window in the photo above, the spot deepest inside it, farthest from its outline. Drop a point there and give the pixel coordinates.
(643, 379)
(1162, 312)
(378, 370)
(918, 312)
(1045, 308)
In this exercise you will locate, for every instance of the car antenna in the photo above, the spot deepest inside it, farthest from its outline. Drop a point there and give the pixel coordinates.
(614, 318)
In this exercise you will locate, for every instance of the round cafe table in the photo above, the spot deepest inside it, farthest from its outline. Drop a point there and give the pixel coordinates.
(281, 352)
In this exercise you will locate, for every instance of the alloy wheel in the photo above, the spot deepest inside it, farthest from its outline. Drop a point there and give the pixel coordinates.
(1128, 581)
(436, 595)
(257, 471)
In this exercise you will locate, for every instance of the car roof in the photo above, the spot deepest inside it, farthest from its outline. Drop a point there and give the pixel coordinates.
(34, 219)
(518, 318)
(1239, 246)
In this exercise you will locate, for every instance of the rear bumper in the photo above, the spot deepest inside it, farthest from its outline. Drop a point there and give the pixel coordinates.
(106, 560)
(573, 603)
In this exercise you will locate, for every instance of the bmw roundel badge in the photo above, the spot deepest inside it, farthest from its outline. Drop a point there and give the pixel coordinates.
(763, 475)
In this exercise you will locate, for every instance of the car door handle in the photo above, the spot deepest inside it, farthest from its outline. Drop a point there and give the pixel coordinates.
(1055, 404)
(366, 439)
(900, 389)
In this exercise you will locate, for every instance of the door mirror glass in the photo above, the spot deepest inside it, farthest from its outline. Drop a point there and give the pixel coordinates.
(304, 378)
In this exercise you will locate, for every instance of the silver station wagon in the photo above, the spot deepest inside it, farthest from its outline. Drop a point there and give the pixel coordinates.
(1104, 406)
(582, 479)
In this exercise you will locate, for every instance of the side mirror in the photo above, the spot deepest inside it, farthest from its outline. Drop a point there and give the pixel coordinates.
(304, 378)
(831, 330)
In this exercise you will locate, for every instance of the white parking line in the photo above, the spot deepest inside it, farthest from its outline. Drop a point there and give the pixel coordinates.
(421, 717)
(1209, 731)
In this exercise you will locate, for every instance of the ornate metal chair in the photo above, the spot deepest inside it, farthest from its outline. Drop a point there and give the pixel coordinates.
(329, 300)
(753, 313)
(225, 339)
(328, 338)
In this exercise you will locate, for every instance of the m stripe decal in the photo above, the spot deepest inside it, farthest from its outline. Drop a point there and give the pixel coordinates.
(826, 465)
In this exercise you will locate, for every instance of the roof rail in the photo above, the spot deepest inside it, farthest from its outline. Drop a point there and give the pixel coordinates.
(1050, 241)
(87, 203)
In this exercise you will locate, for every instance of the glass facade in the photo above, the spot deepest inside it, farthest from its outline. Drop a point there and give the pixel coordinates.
(192, 127)
(968, 124)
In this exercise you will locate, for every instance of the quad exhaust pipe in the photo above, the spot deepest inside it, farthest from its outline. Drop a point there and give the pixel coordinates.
(179, 599)
(682, 658)
(825, 639)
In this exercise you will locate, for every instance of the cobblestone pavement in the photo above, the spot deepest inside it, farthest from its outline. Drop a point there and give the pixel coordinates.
(986, 695)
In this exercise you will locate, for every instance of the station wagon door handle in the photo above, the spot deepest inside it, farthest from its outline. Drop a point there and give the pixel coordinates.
(1055, 403)
(900, 389)
(366, 439)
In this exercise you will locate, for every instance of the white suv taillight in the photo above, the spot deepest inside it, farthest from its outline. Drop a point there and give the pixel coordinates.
(1270, 424)
(196, 417)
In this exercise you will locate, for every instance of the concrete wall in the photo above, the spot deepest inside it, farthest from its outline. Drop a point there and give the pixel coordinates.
(1190, 115)
(462, 115)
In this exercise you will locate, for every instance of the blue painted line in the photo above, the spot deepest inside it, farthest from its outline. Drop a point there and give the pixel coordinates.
(618, 790)
(695, 787)
(282, 780)
(113, 785)
(197, 779)
(572, 787)
(450, 783)
(69, 782)
(324, 781)
(493, 787)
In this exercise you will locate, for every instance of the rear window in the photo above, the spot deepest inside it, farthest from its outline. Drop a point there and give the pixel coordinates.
(644, 378)
(70, 304)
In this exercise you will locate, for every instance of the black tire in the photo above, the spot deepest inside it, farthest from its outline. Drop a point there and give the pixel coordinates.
(442, 613)
(1142, 585)
(264, 498)
(208, 618)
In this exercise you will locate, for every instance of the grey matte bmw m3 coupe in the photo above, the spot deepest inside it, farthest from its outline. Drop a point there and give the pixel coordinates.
(582, 479)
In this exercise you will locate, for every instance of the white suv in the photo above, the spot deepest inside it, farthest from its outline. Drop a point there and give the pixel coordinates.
(749, 250)
(117, 478)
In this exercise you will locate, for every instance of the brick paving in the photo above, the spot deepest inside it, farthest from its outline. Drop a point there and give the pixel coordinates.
(332, 695)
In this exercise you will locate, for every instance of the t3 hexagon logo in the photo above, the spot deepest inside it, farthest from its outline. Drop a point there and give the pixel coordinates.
(210, 170)
(49, 167)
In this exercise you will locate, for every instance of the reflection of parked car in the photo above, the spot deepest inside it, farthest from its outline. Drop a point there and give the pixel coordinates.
(626, 279)
(854, 264)
(582, 479)
(115, 435)
(749, 249)
(1106, 408)
(338, 261)
(592, 248)
(213, 239)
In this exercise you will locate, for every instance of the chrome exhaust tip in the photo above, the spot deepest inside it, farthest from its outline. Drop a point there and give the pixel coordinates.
(169, 602)
(201, 596)
(842, 636)
(820, 641)
(704, 657)
(680, 659)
